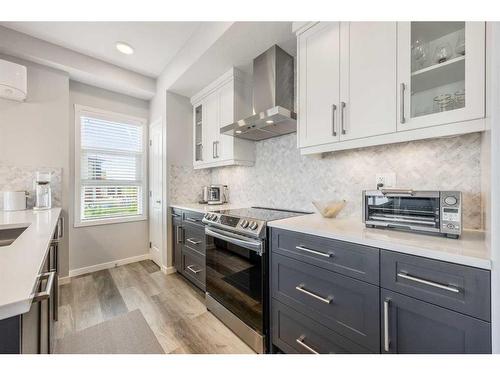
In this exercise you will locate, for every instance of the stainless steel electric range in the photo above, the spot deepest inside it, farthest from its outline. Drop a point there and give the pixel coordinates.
(237, 270)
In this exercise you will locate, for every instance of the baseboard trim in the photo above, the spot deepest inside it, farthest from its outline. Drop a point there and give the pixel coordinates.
(168, 270)
(107, 265)
(64, 280)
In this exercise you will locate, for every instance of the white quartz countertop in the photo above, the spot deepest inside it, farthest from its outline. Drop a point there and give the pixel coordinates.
(470, 249)
(199, 207)
(21, 261)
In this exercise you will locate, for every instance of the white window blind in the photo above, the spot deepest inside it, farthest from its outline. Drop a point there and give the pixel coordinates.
(111, 167)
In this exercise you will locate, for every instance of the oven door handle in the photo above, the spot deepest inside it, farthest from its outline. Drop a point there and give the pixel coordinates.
(235, 239)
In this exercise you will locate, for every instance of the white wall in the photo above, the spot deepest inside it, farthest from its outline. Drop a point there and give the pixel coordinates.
(35, 133)
(80, 67)
(94, 245)
(206, 35)
(493, 34)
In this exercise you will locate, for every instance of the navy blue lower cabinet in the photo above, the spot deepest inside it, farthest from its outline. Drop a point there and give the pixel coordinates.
(411, 326)
(295, 333)
(345, 305)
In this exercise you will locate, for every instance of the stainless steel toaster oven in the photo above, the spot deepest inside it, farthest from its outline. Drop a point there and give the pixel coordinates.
(438, 212)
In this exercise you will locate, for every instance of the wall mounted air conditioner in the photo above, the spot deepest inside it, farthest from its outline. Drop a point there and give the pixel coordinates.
(13, 81)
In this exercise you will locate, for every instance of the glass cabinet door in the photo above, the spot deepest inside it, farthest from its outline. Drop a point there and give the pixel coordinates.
(441, 70)
(198, 134)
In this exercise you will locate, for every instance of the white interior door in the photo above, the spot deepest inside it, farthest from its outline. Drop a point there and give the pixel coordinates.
(155, 191)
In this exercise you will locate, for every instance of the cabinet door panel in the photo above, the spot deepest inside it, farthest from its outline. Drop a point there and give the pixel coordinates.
(442, 68)
(319, 64)
(416, 327)
(210, 127)
(177, 243)
(347, 306)
(224, 147)
(295, 333)
(368, 79)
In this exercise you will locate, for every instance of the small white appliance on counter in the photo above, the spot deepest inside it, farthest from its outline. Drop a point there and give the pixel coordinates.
(217, 194)
(14, 200)
(13, 81)
(43, 194)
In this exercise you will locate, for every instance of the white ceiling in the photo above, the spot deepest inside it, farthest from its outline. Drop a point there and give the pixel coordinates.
(155, 43)
(239, 45)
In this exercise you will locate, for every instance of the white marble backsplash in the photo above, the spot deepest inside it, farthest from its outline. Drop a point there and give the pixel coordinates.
(185, 183)
(283, 178)
(18, 178)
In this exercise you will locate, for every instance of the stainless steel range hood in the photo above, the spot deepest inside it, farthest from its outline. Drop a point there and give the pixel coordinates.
(273, 99)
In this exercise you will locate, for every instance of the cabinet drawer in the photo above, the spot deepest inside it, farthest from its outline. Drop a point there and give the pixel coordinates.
(460, 288)
(193, 217)
(193, 267)
(411, 326)
(360, 262)
(194, 237)
(345, 305)
(176, 213)
(295, 333)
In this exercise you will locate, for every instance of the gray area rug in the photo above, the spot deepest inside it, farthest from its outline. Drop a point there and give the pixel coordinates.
(125, 334)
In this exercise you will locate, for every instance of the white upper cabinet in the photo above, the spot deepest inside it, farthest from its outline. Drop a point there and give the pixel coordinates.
(371, 83)
(368, 52)
(319, 84)
(441, 73)
(224, 101)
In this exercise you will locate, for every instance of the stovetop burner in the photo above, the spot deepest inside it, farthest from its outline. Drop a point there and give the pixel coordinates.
(248, 221)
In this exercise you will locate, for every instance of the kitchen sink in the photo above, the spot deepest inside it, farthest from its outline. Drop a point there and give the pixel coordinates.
(9, 235)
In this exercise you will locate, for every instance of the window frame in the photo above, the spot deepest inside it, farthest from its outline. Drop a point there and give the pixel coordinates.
(81, 110)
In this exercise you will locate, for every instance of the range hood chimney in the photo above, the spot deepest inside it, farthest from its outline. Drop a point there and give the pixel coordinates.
(273, 99)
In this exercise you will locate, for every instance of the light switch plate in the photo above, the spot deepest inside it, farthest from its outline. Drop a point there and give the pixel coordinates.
(387, 179)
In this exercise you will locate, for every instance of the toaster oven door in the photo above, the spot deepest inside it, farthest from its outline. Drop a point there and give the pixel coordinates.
(407, 212)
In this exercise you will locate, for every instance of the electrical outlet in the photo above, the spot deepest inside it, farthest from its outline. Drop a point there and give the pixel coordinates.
(388, 180)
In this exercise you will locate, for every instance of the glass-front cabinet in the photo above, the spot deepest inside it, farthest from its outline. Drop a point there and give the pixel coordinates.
(198, 134)
(441, 73)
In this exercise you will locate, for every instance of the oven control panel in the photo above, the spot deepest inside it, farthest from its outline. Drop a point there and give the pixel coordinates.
(254, 228)
(229, 221)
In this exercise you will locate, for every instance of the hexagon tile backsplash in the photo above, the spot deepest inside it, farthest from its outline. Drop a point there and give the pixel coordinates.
(283, 178)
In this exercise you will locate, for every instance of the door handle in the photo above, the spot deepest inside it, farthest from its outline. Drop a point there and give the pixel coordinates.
(301, 342)
(326, 255)
(342, 106)
(179, 234)
(194, 242)
(40, 296)
(327, 300)
(387, 341)
(402, 103)
(192, 269)
(61, 227)
(213, 150)
(334, 108)
(430, 283)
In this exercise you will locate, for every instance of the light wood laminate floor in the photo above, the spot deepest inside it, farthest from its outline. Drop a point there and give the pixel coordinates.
(173, 308)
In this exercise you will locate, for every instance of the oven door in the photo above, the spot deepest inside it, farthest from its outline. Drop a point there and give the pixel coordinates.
(235, 274)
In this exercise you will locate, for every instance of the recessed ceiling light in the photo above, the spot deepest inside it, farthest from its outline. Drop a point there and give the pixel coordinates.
(269, 122)
(238, 131)
(124, 48)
